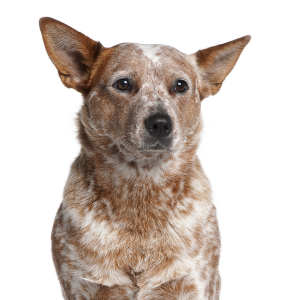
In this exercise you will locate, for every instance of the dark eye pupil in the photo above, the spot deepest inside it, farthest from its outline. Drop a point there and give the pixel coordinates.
(123, 84)
(180, 86)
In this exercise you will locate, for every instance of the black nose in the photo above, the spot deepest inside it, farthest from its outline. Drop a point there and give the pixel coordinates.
(159, 125)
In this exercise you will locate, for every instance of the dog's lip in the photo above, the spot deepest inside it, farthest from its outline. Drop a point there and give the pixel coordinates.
(156, 148)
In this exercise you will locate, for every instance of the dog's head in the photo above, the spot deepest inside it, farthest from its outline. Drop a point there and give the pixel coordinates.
(144, 98)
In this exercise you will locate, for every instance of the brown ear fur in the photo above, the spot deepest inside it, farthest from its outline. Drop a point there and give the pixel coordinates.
(72, 53)
(215, 63)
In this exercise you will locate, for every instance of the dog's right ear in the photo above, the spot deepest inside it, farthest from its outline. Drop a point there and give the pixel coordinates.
(72, 53)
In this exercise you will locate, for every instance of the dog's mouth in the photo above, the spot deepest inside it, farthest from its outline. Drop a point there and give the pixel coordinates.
(155, 144)
(149, 145)
(157, 147)
(160, 145)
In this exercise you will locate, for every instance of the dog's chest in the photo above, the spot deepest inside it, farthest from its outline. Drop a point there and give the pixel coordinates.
(147, 244)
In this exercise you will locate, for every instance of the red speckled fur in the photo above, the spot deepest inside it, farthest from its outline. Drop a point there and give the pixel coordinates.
(137, 222)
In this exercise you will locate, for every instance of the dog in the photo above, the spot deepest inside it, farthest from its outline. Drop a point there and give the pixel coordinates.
(137, 219)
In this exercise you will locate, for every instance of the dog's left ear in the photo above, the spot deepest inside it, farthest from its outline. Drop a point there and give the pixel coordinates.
(215, 63)
(72, 52)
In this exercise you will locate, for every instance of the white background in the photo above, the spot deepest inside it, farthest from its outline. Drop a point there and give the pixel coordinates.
(250, 144)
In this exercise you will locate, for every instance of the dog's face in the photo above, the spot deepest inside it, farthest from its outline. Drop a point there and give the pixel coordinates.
(145, 98)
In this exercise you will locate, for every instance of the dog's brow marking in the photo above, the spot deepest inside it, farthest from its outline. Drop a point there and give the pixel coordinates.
(150, 51)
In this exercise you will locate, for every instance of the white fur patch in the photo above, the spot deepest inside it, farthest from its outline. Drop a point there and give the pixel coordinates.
(91, 95)
(150, 52)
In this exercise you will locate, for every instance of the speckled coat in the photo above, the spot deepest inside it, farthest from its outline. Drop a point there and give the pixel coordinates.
(137, 221)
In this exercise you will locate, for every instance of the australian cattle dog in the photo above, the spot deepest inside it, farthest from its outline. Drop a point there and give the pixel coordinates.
(137, 219)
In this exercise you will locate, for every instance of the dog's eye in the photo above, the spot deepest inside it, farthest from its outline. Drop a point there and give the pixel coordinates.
(122, 84)
(181, 86)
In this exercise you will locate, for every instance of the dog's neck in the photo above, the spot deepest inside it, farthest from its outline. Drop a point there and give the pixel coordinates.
(133, 195)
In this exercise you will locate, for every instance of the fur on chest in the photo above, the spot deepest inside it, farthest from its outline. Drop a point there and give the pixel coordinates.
(151, 232)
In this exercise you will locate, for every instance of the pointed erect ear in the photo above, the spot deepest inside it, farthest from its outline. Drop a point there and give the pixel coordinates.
(215, 63)
(72, 53)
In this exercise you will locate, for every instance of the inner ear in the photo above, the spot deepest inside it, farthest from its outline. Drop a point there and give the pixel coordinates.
(72, 53)
(215, 63)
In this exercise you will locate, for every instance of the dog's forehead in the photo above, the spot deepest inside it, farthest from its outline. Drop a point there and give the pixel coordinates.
(149, 61)
(158, 55)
